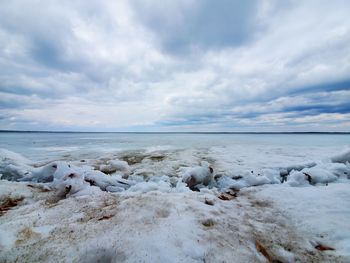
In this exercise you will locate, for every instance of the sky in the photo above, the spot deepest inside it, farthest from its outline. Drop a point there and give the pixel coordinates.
(185, 65)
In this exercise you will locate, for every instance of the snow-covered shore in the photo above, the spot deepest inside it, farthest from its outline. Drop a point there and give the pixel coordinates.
(177, 227)
(102, 211)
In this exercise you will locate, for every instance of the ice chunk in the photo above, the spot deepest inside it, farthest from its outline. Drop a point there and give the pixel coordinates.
(42, 174)
(297, 178)
(198, 175)
(13, 166)
(249, 178)
(319, 174)
(342, 157)
(341, 170)
(13, 157)
(71, 184)
(13, 172)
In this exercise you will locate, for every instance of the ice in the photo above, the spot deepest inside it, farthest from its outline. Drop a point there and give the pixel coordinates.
(71, 177)
(12, 157)
(13, 166)
(71, 184)
(199, 175)
(322, 173)
(43, 174)
(297, 178)
(114, 189)
(342, 157)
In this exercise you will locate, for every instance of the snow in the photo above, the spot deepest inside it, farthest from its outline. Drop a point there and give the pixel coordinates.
(143, 209)
(321, 211)
(158, 226)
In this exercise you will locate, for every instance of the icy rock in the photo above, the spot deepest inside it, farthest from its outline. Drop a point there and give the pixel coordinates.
(198, 175)
(63, 168)
(71, 184)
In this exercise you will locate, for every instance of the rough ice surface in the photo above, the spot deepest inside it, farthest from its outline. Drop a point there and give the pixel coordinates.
(15, 167)
(173, 204)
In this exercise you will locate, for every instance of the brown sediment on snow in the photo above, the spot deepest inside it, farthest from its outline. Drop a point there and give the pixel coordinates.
(8, 203)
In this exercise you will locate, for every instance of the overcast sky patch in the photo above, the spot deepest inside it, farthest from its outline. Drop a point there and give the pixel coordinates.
(175, 65)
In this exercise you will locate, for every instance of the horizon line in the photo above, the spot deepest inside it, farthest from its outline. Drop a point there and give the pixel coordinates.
(174, 132)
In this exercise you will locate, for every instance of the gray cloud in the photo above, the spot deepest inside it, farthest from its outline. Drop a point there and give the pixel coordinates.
(187, 25)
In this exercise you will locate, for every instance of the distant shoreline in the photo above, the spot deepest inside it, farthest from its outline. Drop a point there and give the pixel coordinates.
(131, 132)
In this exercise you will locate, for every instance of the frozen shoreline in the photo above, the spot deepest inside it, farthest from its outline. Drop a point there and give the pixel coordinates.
(72, 211)
(176, 227)
(158, 171)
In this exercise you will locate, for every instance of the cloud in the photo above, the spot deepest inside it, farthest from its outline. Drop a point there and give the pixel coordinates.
(174, 65)
(186, 25)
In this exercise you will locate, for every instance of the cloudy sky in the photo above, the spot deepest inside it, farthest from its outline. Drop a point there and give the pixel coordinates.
(165, 65)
